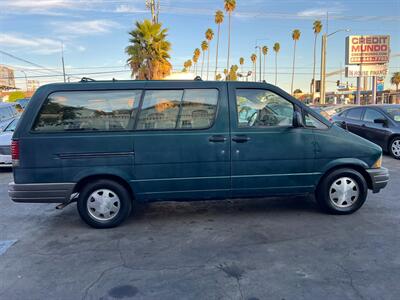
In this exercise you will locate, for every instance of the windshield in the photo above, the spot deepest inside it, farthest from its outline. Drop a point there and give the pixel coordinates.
(393, 112)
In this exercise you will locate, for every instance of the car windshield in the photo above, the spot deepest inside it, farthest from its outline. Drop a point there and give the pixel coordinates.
(393, 112)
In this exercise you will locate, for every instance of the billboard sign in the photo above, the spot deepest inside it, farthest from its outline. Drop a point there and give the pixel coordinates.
(367, 49)
(366, 70)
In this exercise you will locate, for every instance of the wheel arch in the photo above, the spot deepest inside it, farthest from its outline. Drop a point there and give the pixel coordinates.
(357, 167)
(90, 178)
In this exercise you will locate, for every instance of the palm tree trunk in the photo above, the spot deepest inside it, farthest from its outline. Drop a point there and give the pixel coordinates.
(216, 59)
(229, 39)
(242, 71)
(202, 66)
(265, 58)
(208, 60)
(294, 62)
(276, 68)
(313, 76)
(255, 72)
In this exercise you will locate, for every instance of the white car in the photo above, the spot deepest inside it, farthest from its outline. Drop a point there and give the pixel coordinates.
(5, 143)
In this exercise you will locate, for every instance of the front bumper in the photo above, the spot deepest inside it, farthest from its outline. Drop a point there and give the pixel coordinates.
(41, 192)
(379, 178)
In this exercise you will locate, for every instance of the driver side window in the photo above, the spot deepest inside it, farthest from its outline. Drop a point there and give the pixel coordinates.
(258, 108)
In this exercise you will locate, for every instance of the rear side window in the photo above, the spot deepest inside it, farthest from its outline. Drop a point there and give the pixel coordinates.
(178, 109)
(372, 114)
(354, 114)
(88, 111)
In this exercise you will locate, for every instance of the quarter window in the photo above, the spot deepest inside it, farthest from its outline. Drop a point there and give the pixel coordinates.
(262, 108)
(371, 115)
(88, 111)
(312, 122)
(354, 114)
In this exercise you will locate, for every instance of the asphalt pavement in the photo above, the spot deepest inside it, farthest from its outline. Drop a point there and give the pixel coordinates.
(278, 248)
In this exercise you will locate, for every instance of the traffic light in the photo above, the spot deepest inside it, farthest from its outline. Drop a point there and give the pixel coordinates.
(337, 82)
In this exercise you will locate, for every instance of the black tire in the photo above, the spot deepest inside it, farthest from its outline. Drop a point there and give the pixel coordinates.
(326, 189)
(394, 154)
(125, 203)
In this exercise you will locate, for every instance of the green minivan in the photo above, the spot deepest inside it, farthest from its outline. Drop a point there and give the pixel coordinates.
(108, 144)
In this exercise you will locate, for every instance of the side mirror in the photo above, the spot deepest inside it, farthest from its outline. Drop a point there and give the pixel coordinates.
(381, 121)
(297, 119)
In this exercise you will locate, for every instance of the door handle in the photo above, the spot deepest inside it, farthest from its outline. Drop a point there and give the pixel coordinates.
(217, 139)
(241, 139)
(363, 125)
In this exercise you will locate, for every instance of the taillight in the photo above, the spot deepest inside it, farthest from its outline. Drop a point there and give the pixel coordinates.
(15, 152)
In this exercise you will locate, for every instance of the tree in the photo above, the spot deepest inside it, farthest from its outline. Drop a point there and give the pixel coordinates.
(277, 48)
(149, 51)
(264, 52)
(204, 48)
(232, 75)
(298, 91)
(219, 19)
(196, 56)
(254, 60)
(395, 80)
(295, 36)
(209, 37)
(317, 26)
(241, 63)
(218, 77)
(230, 6)
(14, 96)
(187, 64)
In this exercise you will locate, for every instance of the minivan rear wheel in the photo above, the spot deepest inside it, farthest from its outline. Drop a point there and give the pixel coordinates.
(394, 147)
(343, 191)
(104, 203)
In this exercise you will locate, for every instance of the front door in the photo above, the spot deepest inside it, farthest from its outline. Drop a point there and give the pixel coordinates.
(269, 155)
(181, 142)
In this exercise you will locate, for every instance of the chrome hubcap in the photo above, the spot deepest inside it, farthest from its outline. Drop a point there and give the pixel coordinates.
(396, 148)
(344, 192)
(103, 205)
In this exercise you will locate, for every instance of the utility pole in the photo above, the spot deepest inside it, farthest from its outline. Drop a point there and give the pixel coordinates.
(323, 70)
(62, 60)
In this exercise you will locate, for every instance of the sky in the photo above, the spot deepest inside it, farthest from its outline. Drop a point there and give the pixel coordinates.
(94, 34)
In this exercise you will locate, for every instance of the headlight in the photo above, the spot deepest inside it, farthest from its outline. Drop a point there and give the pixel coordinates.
(378, 163)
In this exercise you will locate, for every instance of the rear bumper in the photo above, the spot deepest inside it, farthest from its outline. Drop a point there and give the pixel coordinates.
(379, 178)
(41, 192)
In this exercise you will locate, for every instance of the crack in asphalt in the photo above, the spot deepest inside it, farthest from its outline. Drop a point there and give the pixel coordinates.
(350, 276)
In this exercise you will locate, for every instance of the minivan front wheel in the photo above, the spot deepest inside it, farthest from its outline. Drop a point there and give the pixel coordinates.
(394, 147)
(342, 191)
(104, 204)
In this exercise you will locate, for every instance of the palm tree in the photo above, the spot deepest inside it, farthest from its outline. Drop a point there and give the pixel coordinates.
(230, 6)
(395, 80)
(219, 18)
(241, 63)
(196, 55)
(276, 48)
(254, 60)
(264, 52)
(209, 37)
(317, 26)
(204, 48)
(295, 36)
(187, 64)
(149, 51)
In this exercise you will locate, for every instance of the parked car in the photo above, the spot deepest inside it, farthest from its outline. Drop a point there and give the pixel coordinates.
(8, 112)
(5, 143)
(108, 144)
(378, 123)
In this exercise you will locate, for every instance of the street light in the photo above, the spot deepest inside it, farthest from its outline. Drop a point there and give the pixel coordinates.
(26, 80)
(323, 63)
